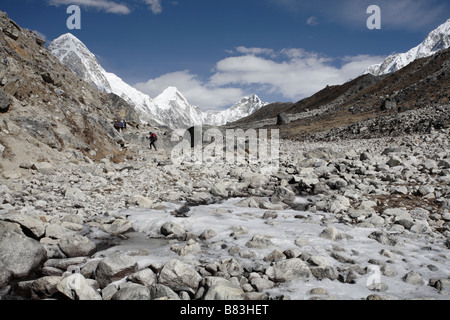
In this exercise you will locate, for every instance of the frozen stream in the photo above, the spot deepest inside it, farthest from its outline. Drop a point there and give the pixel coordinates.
(415, 252)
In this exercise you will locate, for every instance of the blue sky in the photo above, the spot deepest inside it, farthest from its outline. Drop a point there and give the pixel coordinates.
(216, 52)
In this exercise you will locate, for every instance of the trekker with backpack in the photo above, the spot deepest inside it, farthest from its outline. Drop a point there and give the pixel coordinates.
(153, 138)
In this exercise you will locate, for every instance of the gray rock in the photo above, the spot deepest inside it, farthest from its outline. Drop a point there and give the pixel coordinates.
(288, 270)
(118, 227)
(77, 246)
(19, 254)
(171, 228)
(384, 238)
(220, 289)
(283, 119)
(5, 101)
(282, 194)
(76, 287)
(179, 276)
(413, 277)
(145, 277)
(262, 284)
(63, 264)
(260, 242)
(159, 291)
(115, 267)
(5, 277)
(34, 225)
(207, 234)
(132, 292)
(44, 287)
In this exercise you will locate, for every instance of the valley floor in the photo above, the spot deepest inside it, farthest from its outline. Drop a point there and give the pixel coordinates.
(355, 219)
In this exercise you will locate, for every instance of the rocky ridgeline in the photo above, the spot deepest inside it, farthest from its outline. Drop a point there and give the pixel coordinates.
(57, 217)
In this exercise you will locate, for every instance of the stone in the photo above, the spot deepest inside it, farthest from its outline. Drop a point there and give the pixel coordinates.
(171, 228)
(44, 287)
(283, 119)
(413, 278)
(159, 291)
(179, 276)
(318, 291)
(220, 190)
(145, 277)
(19, 254)
(5, 277)
(118, 227)
(5, 101)
(220, 289)
(394, 161)
(76, 287)
(282, 194)
(275, 255)
(33, 225)
(262, 284)
(288, 270)
(259, 242)
(77, 246)
(384, 238)
(132, 292)
(115, 267)
(207, 234)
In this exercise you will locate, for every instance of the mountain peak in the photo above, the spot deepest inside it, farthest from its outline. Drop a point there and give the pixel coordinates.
(437, 40)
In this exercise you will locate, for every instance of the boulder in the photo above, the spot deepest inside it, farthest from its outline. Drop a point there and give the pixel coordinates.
(171, 228)
(77, 246)
(221, 289)
(19, 254)
(179, 276)
(5, 101)
(34, 225)
(145, 277)
(115, 267)
(283, 119)
(118, 227)
(282, 194)
(44, 287)
(132, 292)
(288, 270)
(160, 291)
(76, 287)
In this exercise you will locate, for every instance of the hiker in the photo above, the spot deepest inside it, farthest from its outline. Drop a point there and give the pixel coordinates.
(123, 125)
(153, 138)
(117, 125)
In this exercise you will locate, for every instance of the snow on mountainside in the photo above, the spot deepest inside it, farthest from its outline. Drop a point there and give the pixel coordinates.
(437, 40)
(170, 108)
(242, 109)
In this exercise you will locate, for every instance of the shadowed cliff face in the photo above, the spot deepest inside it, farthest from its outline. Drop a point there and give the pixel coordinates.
(45, 107)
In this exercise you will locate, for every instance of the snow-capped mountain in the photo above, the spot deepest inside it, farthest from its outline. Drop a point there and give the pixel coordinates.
(242, 109)
(438, 39)
(170, 108)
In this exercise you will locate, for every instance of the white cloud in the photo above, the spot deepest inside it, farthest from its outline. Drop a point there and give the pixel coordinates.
(155, 6)
(295, 73)
(312, 21)
(103, 5)
(292, 74)
(197, 92)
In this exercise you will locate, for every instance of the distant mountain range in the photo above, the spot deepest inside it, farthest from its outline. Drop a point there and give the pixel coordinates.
(170, 108)
(437, 40)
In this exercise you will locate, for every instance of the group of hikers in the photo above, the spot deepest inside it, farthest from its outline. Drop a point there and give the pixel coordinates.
(121, 125)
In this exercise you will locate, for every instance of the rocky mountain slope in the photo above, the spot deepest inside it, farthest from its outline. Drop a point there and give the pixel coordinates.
(47, 111)
(417, 97)
(170, 108)
(437, 40)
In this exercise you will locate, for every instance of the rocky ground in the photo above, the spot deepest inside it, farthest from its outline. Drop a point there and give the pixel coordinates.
(62, 222)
